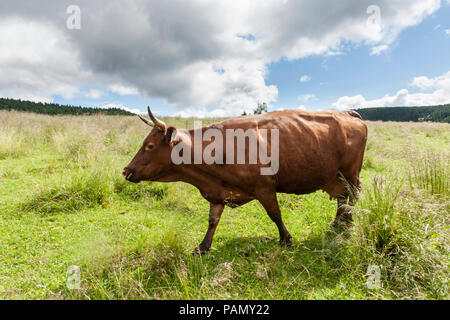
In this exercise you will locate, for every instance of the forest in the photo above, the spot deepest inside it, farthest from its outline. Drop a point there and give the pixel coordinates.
(439, 113)
(56, 109)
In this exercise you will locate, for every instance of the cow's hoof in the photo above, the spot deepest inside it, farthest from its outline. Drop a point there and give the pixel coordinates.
(200, 250)
(341, 223)
(286, 242)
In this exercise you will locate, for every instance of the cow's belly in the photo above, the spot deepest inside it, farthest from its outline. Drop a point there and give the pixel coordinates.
(304, 184)
(309, 170)
(232, 197)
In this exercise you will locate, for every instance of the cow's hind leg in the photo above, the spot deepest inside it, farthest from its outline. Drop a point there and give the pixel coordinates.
(215, 212)
(270, 203)
(347, 194)
(344, 212)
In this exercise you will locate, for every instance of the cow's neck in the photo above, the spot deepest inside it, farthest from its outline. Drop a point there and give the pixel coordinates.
(193, 175)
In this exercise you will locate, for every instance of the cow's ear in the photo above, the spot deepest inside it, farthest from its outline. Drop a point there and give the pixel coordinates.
(172, 136)
(175, 136)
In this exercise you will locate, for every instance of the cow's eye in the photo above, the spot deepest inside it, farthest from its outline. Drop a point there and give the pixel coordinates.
(150, 147)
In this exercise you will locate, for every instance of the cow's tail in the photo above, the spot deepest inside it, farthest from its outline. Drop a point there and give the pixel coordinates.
(353, 113)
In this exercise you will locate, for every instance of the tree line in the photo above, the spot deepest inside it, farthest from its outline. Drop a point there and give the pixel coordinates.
(57, 109)
(439, 113)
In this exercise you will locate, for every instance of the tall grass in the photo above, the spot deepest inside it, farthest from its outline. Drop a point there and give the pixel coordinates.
(12, 143)
(396, 231)
(87, 189)
(430, 171)
(145, 270)
(78, 191)
(377, 212)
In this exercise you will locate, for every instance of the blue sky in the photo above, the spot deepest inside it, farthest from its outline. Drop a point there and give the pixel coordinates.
(422, 50)
(222, 58)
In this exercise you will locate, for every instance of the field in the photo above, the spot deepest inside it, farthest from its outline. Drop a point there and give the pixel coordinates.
(63, 202)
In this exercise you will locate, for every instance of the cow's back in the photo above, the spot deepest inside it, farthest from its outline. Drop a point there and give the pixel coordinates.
(313, 146)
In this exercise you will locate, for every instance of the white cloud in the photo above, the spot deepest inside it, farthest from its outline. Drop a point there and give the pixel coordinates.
(307, 97)
(123, 90)
(204, 113)
(305, 78)
(447, 32)
(94, 94)
(377, 50)
(301, 107)
(37, 61)
(438, 93)
(24, 95)
(352, 102)
(119, 106)
(195, 57)
(425, 83)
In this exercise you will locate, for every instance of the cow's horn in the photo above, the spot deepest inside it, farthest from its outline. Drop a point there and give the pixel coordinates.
(160, 124)
(146, 121)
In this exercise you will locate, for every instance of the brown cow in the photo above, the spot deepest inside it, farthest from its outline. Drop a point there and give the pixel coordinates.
(320, 150)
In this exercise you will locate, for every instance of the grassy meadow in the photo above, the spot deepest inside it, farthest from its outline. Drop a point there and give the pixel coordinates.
(63, 202)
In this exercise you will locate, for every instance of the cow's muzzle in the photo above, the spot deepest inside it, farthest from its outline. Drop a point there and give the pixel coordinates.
(128, 174)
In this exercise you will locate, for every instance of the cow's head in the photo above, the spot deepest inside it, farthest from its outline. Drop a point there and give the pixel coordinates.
(152, 161)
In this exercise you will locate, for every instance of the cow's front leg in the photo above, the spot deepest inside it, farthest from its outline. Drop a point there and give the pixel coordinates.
(215, 211)
(270, 203)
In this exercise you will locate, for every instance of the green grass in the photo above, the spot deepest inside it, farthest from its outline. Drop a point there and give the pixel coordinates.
(431, 173)
(63, 202)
